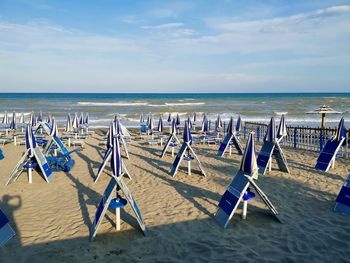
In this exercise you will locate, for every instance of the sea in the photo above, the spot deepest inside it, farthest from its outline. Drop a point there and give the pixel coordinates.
(254, 107)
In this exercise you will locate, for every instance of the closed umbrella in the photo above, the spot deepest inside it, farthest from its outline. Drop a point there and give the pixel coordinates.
(13, 125)
(270, 135)
(249, 164)
(160, 125)
(231, 127)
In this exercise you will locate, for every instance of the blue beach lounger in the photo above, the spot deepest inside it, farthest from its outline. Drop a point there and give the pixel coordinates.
(326, 159)
(343, 200)
(6, 231)
(185, 152)
(238, 190)
(111, 198)
(230, 140)
(32, 158)
(172, 140)
(271, 148)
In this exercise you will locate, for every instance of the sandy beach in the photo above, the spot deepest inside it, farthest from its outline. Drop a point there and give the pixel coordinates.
(52, 220)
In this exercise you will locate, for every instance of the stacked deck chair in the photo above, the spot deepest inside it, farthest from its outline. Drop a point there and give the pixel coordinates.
(326, 159)
(271, 148)
(112, 198)
(33, 158)
(113, 134)
(55, 151)
(343, 200)
(186, 152)
(6, 231)
(239, 191)
(172, 140)
(230, 140)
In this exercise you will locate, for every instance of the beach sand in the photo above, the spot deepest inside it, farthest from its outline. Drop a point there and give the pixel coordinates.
(52, 220)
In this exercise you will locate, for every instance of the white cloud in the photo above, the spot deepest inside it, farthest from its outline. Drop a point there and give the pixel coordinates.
(39, 36)
(281, 24)
(164, 26)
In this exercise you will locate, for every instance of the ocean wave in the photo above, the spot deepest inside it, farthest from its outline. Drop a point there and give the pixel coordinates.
(281, 112)
(185, 103)
(87, 103)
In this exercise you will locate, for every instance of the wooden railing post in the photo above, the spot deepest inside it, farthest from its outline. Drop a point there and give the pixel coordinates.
(321, 140)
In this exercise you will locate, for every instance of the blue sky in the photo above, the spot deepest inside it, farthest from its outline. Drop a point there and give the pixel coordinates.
(174, 46)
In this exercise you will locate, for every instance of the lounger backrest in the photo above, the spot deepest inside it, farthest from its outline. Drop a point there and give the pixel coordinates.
(231, 198)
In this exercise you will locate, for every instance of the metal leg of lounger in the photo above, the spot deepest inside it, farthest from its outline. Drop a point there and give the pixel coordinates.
(230, 150)
(189, 167)
(172, 151)
(270, 165)
(333, 163)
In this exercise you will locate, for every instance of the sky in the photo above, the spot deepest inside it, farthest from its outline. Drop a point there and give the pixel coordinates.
(174, 46)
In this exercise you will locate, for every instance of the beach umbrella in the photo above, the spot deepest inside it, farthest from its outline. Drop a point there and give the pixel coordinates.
(116, 160)
(270, 135)
(21, 119)
(194, 117)
(110, 137)
(173, 126)
(30, 141)
(86, 121)
(248, 163)
(142, 119)
(231, 127)
(54, 129)
(32, 119)
(68, 123)
(160, 124)
(169, 117)
(40, 117)
(187, 134)
(178, 120)
(218, 122)
(324, 109)
(282, 128)
(13, 125)
(205, 124)
(118, 126)
(239, 124)
(81, 119)
(148, 118)
(189, 122)
(341, 131)
(5, 119)
(75, 122)
(150, 122)
(49, 118)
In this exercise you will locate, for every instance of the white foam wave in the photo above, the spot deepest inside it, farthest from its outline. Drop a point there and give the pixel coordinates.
(185, 104)
(87, 103)
(281, 112)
